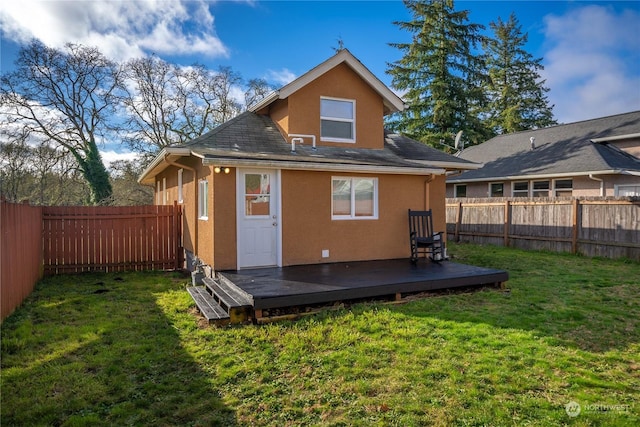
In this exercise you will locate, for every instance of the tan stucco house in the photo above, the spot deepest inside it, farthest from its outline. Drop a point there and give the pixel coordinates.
(308, 175)
(598, 157)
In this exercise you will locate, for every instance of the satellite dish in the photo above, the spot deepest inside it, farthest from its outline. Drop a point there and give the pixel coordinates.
(457, 140)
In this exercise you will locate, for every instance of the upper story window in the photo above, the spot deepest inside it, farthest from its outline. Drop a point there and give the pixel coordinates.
(337, 120)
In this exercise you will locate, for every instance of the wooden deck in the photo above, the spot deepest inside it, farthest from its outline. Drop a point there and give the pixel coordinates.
(277, 287)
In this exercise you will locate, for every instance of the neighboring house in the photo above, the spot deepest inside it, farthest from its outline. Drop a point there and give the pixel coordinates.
(598, 157)
(308, 175)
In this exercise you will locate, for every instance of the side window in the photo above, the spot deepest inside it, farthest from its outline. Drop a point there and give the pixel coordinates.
(460, 190)
(540, 188)
(337, 120)
(180, 195)
(203, 199)
(563, 187)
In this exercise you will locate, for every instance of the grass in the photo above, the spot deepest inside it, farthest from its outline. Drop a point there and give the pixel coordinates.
(127, 349)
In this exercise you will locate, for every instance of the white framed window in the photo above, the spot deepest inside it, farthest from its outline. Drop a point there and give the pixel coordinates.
(337, 120)
(203, 199)
(563, 187)
(165, 196)
(520, 189)
(158, 193)
(496, 189)
(354, 198)
(460, 190)
(627, 190)
(180, 195)
(540, 188)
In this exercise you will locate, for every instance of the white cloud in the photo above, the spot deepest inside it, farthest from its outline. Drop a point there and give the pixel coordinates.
(592, 64)
(120, 29)
(111, 156)
(280, 77)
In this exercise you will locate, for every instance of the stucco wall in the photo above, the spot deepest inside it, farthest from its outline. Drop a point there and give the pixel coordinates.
(300, 113)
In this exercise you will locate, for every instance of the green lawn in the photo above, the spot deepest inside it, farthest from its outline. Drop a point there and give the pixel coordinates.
(127, 349)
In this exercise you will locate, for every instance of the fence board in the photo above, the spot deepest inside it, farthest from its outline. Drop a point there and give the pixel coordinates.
(607, 227)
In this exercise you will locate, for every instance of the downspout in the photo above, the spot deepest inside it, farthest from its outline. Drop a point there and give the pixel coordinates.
(195, 192)
(591, 176)
(426, 191)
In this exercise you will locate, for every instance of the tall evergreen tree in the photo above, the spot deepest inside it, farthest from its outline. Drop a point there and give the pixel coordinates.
(517, 95)
(440, 74)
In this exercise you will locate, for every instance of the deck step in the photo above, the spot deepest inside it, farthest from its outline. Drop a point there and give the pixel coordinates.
(231, 298)
(208, 306)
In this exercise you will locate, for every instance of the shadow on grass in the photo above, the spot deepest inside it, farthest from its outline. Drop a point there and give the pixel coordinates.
(97, 349)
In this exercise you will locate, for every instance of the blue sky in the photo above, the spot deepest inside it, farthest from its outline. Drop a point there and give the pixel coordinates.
(590, 49)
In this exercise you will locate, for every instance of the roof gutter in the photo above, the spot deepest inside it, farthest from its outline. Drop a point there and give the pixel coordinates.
(616, 138)
(293, 165)
(545, 176)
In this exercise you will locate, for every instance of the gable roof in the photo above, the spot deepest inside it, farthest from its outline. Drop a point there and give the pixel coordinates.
(572, 149)
(392, 102)
(253, 140)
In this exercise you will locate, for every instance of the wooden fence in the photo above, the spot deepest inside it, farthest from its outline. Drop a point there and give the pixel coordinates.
(72, 239)
(96, 238)
(607, 227)
(20, 253)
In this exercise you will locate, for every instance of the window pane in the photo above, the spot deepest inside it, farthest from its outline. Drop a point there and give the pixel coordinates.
(541, 185)
(337, 109)
(341, 197)
(564, 183)
(333, 129)
(497, 190)
(461, 191)
(257, 189)
(521, 186)
(364, 197)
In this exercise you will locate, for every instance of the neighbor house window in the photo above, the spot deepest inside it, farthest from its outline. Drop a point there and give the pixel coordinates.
(337, 120)
(563, 187)
(521, 189)
(180, 196)
(627, 190)
(496, 189)
(354, 198)
(460, 190)
(540, 188)
(203, 199)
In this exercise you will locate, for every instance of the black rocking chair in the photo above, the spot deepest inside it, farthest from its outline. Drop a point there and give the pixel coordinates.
(423, 239)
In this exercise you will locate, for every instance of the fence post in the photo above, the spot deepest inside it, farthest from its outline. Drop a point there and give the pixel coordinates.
(507, 222)
(575, 225)
(458, 221)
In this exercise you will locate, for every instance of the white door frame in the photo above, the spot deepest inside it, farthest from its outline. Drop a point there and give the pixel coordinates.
(276, 200)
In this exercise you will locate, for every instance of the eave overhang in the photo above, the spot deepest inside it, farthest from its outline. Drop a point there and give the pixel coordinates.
(542, 176)
(159, 163)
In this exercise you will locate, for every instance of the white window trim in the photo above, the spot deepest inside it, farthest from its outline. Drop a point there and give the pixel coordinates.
(180, 194)
(353, 216)
(494, 183)
(617, 187)
(338, 119)
(165, 195)
(455, 190)
(203, 199)
(555, 189)
(158, 193)
(513, 189)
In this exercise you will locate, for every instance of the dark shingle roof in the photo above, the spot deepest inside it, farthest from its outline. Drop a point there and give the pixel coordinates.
(558, 150)
(251, 136)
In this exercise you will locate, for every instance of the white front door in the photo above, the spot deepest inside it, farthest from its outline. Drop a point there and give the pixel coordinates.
(258, 219)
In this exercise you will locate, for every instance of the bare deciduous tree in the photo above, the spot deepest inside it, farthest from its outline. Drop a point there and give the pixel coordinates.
(68, 97)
